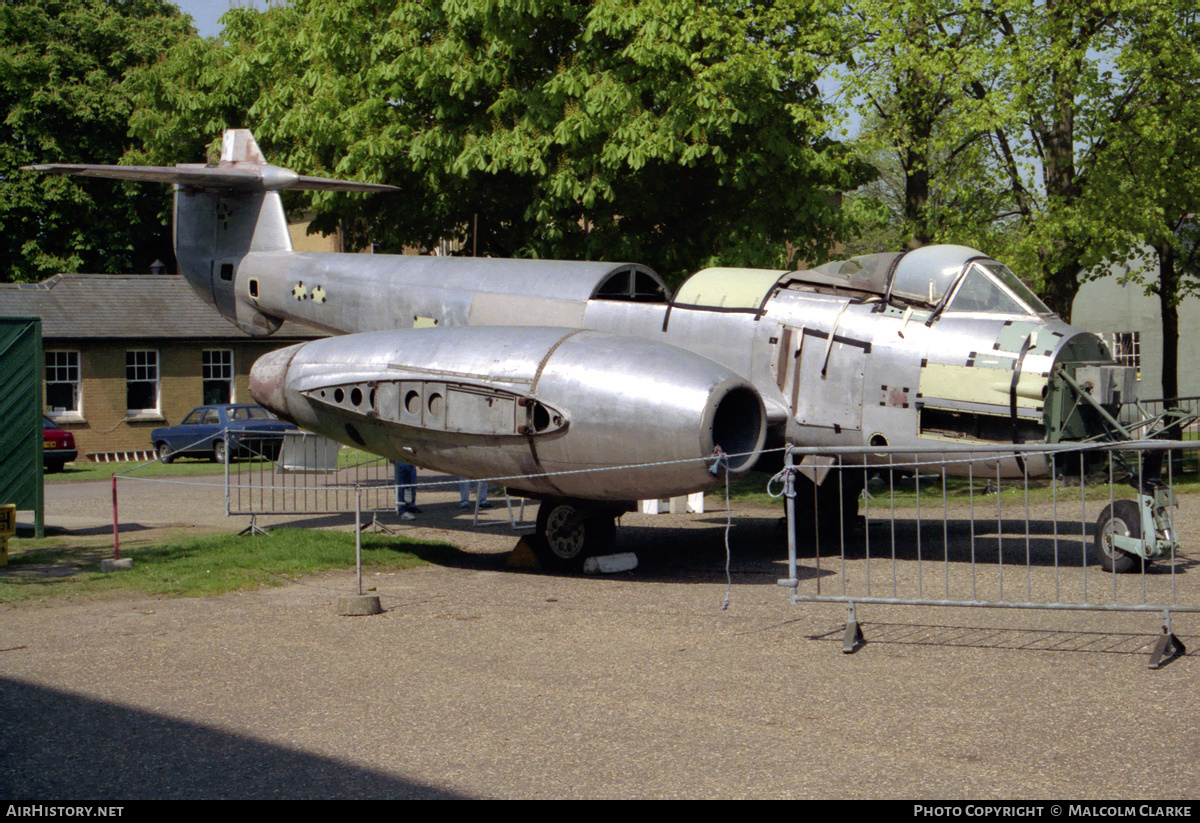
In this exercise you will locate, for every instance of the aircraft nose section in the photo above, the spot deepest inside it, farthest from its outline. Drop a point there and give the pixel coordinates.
(268, 379)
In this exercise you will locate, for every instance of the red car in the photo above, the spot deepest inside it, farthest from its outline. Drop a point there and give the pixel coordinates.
(58, 446)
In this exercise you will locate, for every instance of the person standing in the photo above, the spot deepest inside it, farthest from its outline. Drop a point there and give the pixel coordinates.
(464, 494)
(406, 491)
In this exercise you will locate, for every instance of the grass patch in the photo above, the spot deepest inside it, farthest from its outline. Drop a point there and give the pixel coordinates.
(179, 467)
(752, 490)
(182, 466)
(199, 566)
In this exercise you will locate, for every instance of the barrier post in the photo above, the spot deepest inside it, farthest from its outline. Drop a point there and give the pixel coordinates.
(116, 538)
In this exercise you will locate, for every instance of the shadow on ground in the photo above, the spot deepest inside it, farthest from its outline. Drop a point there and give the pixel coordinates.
(59, 746)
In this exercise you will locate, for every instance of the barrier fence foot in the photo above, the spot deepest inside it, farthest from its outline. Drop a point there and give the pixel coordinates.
(253, 528)
(1167, 647)
(375, 526)
(853, 638)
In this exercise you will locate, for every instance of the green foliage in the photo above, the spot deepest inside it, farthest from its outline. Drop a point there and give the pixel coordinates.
(668, 131)
(62, 67)
(911, 67)
(1148, 188)
(1030, 102)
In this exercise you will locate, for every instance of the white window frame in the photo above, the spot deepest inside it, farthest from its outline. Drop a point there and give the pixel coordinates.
(62, 366)
(1127, 349)
(146, 371)
(216, 368)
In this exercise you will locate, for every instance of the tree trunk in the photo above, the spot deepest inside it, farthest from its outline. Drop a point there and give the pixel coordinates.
(1059, 289)
(1169, 309)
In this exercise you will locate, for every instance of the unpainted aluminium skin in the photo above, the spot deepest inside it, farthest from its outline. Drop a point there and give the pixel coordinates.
(588, 385)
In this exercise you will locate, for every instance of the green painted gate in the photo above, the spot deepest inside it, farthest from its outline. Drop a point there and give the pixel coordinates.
(21, 415)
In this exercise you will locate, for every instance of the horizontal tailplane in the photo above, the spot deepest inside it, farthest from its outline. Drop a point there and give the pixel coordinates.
(242, 168)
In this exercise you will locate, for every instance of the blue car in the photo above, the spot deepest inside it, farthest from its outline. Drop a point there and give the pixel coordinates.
(208, 431)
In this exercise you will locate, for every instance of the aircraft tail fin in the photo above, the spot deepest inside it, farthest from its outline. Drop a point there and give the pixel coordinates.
(224, 212)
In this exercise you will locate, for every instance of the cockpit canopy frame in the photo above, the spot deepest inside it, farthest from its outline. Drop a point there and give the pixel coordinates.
(944, 278)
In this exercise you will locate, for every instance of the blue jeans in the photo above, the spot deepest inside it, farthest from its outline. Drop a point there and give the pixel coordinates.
(406, 489)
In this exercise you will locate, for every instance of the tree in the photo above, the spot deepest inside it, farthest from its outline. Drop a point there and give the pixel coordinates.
(909, 71)
(672, 132)
(62, 70)
(1029, 99)
(1072, 76)
(1150, 183)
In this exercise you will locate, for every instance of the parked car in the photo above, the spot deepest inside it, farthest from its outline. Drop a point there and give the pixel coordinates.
(206, 430)
(58, 446)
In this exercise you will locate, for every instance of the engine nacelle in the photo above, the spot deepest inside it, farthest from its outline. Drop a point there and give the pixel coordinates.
(556, 412)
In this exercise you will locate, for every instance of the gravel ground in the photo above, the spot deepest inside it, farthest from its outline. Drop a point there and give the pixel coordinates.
(482, 680)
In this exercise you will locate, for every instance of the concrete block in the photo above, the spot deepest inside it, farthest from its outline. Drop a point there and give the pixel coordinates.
(358, 605)
(610, 563)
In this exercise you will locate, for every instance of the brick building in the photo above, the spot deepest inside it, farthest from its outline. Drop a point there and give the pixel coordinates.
(127, 353)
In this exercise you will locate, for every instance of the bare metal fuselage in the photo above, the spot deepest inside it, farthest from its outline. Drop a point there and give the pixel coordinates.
(832, 369)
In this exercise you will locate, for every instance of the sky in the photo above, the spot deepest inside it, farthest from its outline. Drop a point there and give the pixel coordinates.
(207, 13)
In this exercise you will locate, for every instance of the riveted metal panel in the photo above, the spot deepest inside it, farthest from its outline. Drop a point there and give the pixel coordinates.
(21, 414)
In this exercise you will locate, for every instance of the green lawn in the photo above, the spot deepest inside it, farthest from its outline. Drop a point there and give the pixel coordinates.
(198, 566)
(752, 489)
(183, 467)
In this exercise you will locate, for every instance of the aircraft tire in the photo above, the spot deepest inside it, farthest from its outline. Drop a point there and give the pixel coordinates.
(569, 532)
(1121, 517)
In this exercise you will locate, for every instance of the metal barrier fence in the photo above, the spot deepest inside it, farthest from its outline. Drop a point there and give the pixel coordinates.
(1154, 407)
(983, 540)
(1185, 461)
(297, 472)
(303, 473)
(1018, 534)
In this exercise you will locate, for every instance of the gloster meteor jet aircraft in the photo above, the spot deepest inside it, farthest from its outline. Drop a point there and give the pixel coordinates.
(588, 385)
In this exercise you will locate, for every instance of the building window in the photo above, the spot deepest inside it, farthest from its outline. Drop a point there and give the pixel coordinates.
(1127, 348)
(62, 382)
(217, 367)
(141, 381)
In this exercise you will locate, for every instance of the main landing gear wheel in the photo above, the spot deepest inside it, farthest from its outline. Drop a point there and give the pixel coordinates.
(569, 532)
(1123, 518)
